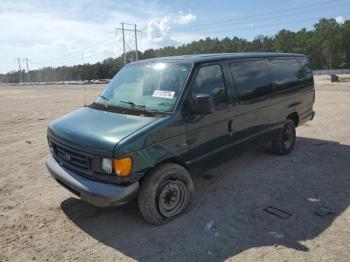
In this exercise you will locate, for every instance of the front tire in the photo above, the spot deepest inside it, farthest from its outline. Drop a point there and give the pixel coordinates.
(284, 142)
(165, 193)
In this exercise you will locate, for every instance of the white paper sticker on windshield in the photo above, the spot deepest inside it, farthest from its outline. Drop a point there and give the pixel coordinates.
(163, 93)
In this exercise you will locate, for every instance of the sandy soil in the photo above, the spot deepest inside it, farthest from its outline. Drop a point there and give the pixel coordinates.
(40, 220)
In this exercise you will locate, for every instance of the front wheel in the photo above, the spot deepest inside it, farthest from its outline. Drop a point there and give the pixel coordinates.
(165, 193)
(284, 142)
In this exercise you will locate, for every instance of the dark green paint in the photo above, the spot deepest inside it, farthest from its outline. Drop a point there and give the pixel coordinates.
(183, 137)
(97, 131)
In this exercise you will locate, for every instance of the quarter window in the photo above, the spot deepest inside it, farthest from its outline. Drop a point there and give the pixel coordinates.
(252, 79)
(305, 70)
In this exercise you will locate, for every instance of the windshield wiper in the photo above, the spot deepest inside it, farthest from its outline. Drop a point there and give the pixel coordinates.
(133, 104)
(140, 107)
(105, 98)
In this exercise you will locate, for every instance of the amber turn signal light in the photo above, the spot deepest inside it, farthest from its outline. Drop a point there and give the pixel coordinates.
(123, 166)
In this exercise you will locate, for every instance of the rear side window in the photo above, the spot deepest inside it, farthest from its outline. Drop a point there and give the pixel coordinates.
(252, 79)
(305, 70)
(209, 80)
(285, 73)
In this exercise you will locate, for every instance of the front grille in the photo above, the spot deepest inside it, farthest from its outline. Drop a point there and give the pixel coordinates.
(71, 158)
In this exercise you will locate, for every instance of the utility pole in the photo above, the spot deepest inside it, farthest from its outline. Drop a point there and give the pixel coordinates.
(124, 55)
(136, 54)
(28, 70)
(123, 29)
(82, 57)
(20, 70)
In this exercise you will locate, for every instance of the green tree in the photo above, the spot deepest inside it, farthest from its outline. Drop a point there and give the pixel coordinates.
(327, 41)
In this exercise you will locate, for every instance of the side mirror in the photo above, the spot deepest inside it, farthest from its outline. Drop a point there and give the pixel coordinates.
(204, 104)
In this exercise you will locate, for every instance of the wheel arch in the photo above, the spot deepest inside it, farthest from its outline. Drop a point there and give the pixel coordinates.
(294, 117)
(172, 160)
(169, 160)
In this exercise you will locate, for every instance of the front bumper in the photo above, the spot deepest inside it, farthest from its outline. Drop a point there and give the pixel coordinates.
(97, 193)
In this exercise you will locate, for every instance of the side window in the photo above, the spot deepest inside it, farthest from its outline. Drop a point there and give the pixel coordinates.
(252, 79)
(306, 70)
(209, 80)
(285, 73)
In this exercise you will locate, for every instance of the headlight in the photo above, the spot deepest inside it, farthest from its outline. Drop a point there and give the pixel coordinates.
(107, 165)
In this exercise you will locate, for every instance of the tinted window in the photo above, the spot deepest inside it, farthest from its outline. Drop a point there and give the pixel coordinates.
(251, 78)
(209, 80)
(305, 70)
(285, 73)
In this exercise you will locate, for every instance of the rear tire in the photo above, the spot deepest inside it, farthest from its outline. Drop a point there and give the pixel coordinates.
(165, 193)
(284, 142)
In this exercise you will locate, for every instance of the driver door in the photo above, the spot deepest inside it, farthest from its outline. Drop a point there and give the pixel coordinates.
(208, 133)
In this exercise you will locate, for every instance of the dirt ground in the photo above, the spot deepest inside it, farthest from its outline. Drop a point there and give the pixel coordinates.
(40, 220)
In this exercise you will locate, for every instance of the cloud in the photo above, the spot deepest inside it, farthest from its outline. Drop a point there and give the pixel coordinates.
(58, 33)
(340, 19)
(41, 36)
(183, 18)
(161, 27)
(159, 30)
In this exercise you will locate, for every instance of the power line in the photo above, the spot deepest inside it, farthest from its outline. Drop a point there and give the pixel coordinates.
(77, 59)
(271, 18)
(76, 53)
(254, 17)
(123, 29)
(79, 54)
(269, 25)
(249, 21)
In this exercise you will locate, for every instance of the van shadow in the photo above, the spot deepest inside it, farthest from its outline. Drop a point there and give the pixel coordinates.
(227, 215)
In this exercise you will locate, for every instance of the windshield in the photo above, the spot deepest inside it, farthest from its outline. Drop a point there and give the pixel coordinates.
(150, 87)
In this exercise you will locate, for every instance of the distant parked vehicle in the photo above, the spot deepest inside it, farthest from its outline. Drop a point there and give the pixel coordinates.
(158, 117)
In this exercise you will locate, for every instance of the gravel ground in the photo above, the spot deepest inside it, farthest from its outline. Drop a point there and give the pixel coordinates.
(39, 220)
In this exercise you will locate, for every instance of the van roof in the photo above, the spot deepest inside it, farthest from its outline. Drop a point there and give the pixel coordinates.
(218, 56)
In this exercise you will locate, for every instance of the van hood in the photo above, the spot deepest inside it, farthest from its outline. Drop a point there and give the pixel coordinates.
(96, 131)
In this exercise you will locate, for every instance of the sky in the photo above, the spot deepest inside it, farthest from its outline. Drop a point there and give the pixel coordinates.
(68, 32)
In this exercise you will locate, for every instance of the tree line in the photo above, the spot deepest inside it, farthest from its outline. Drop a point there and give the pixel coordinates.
(326, 45)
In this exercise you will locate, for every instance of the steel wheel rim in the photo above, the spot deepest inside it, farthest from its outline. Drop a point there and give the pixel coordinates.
(172, 197)
(288, 137)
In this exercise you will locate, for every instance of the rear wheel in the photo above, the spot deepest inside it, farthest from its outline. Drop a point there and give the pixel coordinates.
(284, 142)
(165, 193)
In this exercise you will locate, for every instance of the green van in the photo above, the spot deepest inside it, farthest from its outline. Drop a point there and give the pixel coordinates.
(159, 117)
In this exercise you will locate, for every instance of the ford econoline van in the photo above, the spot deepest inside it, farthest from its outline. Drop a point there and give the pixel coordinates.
(158, 117)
